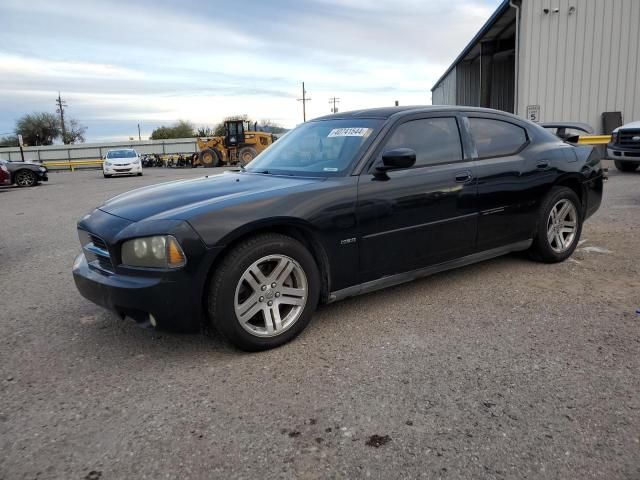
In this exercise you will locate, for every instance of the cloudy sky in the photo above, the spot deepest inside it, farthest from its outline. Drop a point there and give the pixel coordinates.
(120, 63)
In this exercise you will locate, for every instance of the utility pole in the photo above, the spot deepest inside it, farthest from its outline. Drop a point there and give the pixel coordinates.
(304, 101)
(61, 104)
(334, 100)
(139, 137)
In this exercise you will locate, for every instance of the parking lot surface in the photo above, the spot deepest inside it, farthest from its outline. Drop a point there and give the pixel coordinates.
(504, 369)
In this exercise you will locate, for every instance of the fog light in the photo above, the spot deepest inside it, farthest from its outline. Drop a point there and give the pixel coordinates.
(152, 321)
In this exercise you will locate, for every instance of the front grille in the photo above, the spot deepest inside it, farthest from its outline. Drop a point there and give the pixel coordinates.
(626, 138)
(96, 251)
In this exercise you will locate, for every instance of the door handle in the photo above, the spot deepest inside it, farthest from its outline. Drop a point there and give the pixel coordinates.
(542, 165)
(463, 177)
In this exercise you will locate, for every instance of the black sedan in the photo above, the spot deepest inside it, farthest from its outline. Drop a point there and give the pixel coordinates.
(25, 174)
(342, 205)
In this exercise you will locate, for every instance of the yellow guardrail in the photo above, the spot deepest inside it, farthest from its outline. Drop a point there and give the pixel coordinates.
(594, 139)
(72, 164)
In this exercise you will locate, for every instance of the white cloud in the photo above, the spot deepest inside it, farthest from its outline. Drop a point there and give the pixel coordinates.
(155, 62)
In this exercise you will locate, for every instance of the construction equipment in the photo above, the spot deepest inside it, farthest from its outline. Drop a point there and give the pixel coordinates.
(239, 145)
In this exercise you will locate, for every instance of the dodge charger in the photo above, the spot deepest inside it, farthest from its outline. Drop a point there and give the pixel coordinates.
(340, 206)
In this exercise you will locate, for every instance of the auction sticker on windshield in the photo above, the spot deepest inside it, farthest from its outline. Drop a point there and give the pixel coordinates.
(349, 132)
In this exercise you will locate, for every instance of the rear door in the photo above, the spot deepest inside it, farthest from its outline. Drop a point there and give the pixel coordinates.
(422, 215)
(509, 179)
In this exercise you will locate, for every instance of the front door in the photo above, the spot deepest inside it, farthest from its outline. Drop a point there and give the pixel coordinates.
(423, 215)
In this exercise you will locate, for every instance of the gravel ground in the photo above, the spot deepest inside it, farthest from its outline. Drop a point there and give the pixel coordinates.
(505, 369)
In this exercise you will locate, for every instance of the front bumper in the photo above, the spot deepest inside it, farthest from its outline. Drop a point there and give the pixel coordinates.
(122, 170)
(169, 300)
(43, 176)
(626, 154)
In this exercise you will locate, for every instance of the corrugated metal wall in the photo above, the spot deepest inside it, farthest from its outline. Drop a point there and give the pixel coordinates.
(580, 64)
(503, 82)
(445, 94)
(468, 83)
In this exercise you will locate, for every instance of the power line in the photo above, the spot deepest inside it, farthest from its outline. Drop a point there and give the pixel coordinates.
(304, 101)
(334, 100)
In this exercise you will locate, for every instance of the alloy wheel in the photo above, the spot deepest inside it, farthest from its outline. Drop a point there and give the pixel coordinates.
(562, 225)
(271, 295)
(25, 178)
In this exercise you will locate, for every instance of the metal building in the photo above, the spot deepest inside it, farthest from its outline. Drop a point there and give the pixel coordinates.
(551, 60)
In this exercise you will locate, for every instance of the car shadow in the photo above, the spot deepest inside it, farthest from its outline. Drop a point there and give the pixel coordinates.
(123, 338)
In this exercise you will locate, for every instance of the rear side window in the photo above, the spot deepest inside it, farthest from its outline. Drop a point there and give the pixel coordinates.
(435, 140)
(495, 138)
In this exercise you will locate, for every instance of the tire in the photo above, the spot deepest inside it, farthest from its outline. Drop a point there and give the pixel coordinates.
(555, 240)
(106, 176)
(246, 154)
(294, 296)
(209, 158)
(25, 178)
(626, 166)
(140, 174)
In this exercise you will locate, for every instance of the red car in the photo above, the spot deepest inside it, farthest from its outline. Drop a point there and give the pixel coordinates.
(5, 176)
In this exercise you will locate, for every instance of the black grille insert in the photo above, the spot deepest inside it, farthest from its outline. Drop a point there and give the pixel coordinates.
(627, 138)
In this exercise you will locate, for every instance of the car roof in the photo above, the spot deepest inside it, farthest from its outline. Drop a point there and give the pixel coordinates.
(386, 112)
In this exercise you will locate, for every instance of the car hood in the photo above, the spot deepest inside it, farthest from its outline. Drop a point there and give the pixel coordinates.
(184, 199)
(628, 125)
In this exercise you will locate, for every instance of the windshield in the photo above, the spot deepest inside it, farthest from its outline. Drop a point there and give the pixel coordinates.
(121, 154)
(323, 148)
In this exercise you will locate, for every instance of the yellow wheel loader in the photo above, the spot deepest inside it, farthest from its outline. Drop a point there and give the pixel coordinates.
(239, 145)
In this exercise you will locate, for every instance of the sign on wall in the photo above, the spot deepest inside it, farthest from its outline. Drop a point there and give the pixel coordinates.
(533, 113)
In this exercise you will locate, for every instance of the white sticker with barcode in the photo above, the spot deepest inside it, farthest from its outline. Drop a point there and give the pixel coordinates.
(349, 132)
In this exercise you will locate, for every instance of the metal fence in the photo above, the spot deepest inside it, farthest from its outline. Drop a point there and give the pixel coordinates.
(95, 151)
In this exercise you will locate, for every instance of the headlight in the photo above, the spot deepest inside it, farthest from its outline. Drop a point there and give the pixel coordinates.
(107, 164)
(160, 251)
(137, 160)
(42, 169)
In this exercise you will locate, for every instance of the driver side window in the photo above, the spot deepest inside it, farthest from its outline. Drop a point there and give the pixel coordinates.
(435, 140)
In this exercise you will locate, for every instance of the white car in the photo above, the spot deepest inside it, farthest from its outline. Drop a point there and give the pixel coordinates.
(123, 161)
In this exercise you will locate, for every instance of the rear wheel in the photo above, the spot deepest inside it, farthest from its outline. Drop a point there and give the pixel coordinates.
(246, 154)
(264, 292)
(559, 226)
(25, 178)
(209, 158)
(626, 166)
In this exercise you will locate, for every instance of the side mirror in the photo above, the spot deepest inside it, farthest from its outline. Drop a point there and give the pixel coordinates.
(397, 158)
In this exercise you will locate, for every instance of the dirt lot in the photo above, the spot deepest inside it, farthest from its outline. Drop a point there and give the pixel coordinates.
(505, 369)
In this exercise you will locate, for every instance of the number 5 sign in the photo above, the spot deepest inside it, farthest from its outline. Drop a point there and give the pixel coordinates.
(533, 113)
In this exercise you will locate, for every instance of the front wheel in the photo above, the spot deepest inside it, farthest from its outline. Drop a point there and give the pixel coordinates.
(626, 166)
(209, 158)
(559, 226)
(264, 292)
(25, 178)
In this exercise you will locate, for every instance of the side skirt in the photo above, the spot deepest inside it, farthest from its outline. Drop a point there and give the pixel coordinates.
(404, 277)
